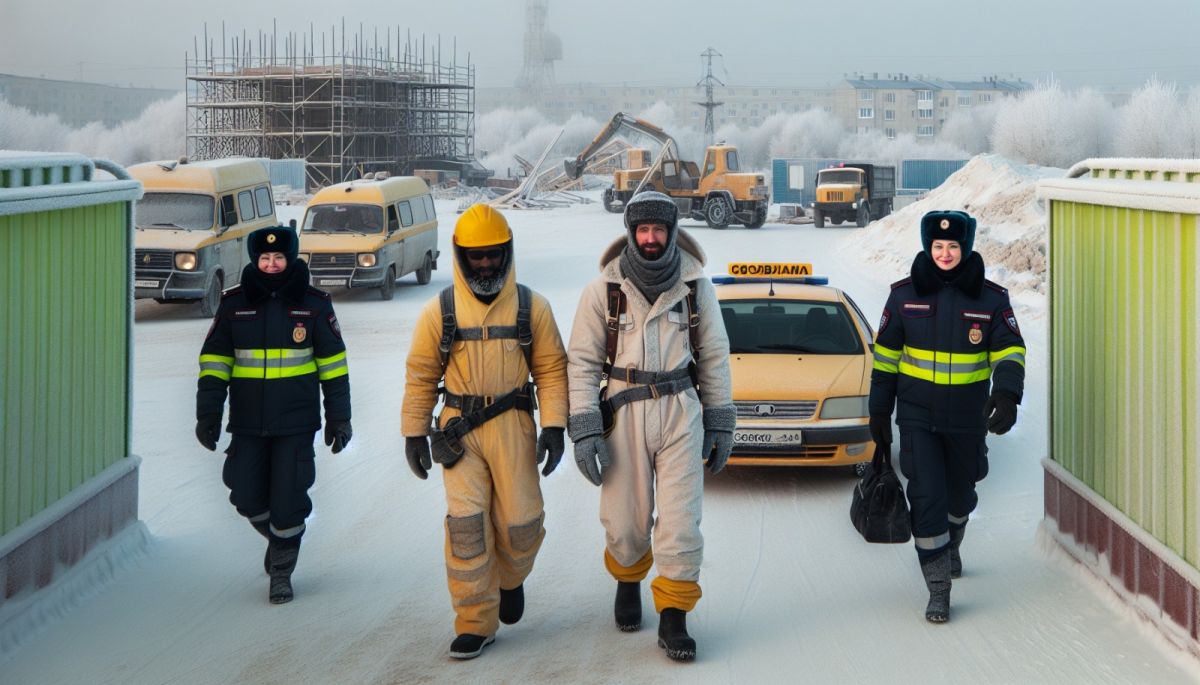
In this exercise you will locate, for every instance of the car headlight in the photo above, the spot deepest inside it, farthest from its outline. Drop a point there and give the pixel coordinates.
(366, 259)
(844, 407)
(304, 256)
(185, 261)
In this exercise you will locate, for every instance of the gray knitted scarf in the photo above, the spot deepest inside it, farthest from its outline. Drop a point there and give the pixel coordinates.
(651, 277)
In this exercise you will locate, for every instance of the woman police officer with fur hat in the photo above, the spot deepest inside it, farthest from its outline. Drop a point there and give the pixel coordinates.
(273, 340)
(949, 355)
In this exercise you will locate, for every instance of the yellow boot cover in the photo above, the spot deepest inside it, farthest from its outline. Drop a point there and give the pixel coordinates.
(674, 594)
(629, 574)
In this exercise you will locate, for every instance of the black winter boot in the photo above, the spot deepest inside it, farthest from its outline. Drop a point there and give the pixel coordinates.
(264, 529)
(467, 646)
(283, 556)
(627, 608)
(956, 538)
(673, 635)
(937, 578)
(512, 604)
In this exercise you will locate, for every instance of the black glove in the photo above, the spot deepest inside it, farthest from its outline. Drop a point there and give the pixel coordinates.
(208, 431)
(881, 429)
(1001, 412)
(416, 449)
(338, 434)
(551, 443)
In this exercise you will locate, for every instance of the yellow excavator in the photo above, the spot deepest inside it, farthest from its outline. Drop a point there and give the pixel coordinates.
(719, 194)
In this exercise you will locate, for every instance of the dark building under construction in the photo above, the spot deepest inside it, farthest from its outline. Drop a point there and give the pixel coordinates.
(346, 111)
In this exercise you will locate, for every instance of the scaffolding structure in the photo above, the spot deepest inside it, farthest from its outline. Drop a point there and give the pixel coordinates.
(347, 108)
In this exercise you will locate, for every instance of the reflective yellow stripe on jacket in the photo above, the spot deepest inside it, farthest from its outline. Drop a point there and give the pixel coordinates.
(332, 367)
(216, 365)
(273, 364)
(944, 368)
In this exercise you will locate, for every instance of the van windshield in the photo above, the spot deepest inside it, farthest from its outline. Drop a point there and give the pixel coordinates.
(775, 326)
(176, 211)
(343, 219)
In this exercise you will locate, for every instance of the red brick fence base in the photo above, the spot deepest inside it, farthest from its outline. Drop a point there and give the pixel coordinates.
(1119, 552)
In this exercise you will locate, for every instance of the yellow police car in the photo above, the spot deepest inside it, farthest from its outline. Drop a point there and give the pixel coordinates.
(800, 355)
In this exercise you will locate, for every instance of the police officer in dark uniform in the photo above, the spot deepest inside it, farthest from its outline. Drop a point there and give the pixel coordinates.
(273, 340)
(949, 355)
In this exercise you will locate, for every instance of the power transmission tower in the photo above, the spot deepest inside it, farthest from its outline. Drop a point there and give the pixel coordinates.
(709, 105)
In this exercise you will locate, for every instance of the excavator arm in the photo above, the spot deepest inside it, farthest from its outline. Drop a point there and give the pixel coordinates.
(619, 123)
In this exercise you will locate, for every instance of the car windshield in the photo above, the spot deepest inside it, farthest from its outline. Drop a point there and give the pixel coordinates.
(343, 219)
(841, 176)
(176, 211)
(775, 326)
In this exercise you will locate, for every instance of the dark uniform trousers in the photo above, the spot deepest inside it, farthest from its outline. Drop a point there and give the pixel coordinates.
(942, 469)
(271, 476)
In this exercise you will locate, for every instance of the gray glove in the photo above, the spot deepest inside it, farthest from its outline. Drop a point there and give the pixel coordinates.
(719, 423)
(591, 454)
(416, 449)
(550, 443)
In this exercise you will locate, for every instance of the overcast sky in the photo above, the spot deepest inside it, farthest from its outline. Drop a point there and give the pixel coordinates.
(1104, 43)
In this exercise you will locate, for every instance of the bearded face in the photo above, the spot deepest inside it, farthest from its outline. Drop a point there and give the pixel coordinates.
(651, 240)
(486, 268)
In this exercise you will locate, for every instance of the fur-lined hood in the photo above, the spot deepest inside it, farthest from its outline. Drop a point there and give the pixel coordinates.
(691, 262)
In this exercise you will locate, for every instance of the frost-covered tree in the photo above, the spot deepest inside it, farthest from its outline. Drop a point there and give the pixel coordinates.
(1052, 127)
(971, 128)
(1151, 123)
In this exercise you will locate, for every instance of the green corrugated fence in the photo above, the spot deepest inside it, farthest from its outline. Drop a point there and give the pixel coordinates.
(1125, 356)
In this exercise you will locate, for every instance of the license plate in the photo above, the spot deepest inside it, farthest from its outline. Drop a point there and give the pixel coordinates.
(145, 284)
(332, 281)
(767, 436)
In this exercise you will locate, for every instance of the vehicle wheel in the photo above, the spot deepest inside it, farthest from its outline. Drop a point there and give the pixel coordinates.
(607, 199)
(818, 219)
(717, 213)
(389, 284)
(864, 216)
(212, 298)
(760, 218)
(426, 271)
(860, 469)
(836, 221)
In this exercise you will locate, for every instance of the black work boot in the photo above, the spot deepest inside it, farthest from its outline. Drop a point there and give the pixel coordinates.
(627, 608)
(936, 570)
(467, 646)
(956, 538)
(673, 635)
(264, 529)
(283, 556)
(512, 604)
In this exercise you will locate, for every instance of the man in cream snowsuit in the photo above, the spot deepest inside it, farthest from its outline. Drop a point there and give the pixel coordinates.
(500, 333)
(636, 327)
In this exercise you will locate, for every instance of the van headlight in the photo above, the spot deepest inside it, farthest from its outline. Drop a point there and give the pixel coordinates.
(185, 261)
(304, 256)
(844, 408)
(366, 259)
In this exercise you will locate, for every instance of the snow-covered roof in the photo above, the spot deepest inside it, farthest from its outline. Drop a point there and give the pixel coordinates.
(1165, 185)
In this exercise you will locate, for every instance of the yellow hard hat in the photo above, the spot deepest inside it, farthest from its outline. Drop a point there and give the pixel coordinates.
(481, 225)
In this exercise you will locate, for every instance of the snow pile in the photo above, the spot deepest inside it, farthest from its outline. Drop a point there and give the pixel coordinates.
(1010, 234)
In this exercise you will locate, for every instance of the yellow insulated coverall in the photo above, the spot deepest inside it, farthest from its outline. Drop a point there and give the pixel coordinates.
(493, 497)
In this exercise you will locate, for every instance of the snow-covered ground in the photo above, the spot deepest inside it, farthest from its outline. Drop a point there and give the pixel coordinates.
(791, 593)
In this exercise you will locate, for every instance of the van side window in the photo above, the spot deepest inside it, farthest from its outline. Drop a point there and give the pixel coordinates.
(228, 211)
(246, 205)
(429, 206)
(406, 217)
(262, 196)
(418, 209)
(393, 222)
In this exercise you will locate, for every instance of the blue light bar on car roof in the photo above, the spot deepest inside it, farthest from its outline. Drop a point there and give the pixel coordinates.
(726, 279)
